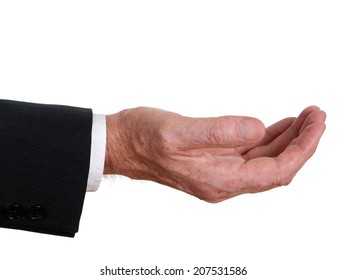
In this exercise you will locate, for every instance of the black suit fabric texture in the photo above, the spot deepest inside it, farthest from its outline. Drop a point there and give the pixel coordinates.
(44, 166)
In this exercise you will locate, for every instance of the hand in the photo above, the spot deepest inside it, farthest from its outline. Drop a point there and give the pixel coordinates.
(211, 158)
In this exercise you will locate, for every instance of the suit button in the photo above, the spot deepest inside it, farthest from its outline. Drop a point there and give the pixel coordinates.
(12, 212)
(35, 212)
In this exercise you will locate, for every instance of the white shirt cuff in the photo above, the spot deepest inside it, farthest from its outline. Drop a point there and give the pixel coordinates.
(97, 153)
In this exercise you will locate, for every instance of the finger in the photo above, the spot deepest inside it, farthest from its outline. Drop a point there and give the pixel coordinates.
(272, 132)
(315, 116)
(273, 172)
(277, 145)
(226, 132)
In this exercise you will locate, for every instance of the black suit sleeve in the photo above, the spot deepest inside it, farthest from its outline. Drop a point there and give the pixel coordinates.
(44, 166)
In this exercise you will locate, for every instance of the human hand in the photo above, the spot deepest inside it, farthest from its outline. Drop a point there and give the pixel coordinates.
(211, 158)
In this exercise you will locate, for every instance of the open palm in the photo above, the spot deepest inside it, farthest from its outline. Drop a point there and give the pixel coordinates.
(211, 158)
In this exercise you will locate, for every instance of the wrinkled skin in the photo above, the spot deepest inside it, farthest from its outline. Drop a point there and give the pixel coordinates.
(211, 158)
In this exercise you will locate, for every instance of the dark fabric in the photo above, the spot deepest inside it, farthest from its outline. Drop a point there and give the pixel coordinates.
(44, 166)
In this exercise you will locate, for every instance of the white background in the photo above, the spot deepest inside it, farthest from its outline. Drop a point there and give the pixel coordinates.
(267, 59)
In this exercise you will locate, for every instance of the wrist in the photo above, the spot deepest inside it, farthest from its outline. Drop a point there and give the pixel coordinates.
(120, 154)
(113, 146)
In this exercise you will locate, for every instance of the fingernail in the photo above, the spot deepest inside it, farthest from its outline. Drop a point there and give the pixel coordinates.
(250, 129)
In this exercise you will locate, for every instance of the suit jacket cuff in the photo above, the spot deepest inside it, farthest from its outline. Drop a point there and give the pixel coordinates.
(44, 166)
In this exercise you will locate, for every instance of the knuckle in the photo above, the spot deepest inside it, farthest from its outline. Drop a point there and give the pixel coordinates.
(215, 133)
(164, 138)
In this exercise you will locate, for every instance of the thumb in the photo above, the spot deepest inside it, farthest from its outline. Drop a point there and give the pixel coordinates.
(227, 132)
